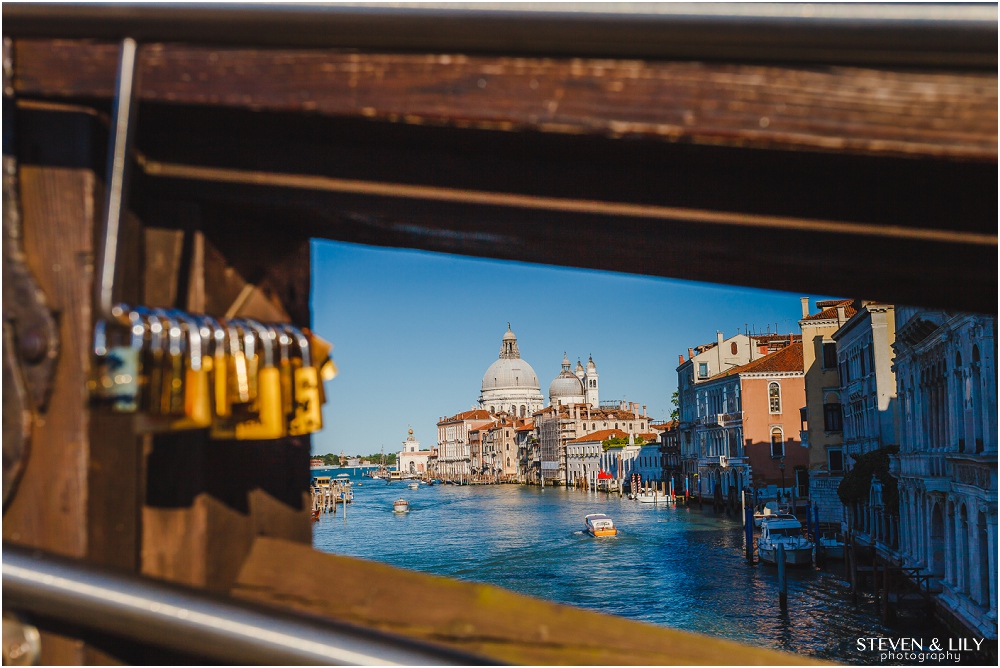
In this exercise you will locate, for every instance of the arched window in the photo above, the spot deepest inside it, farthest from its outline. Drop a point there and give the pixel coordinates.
(777, 443)
(774, 397)
(524, 410)
(734, 348)
(975, 353)
(493, 409)
(958, 360)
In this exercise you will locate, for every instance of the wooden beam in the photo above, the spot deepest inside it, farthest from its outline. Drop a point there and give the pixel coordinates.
(477, 618)
(841, 109)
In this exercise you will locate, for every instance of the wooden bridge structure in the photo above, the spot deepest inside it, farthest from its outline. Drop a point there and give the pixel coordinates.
(853, 154)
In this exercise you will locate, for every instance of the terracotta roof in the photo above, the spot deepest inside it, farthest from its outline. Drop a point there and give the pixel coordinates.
(478, 414)
(599, 436)
(830, 313)
(527, 426)
(788, 359)
(649, 438)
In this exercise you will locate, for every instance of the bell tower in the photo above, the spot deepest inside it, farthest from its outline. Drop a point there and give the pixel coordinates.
(590, 384)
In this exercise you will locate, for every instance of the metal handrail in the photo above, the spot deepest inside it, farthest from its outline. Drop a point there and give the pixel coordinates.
(932, 35)
(197, 623)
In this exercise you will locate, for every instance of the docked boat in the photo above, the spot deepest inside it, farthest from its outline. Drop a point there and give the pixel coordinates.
(832, 547)
(784, 530)
(599, 525)
(649, 497)
(414, 485)
(401, 506)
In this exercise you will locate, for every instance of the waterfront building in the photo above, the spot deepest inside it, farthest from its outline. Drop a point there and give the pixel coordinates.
(670, 454)
(454, 456)
(823, 435)
(411, 458)
(867, 381)
(703, 363)
(558, 424)
(746, 425)
(500, 447)
(946, 375)
(525, 441)
(583, 456)
(648, 463)
(618, 461)
(510, 385)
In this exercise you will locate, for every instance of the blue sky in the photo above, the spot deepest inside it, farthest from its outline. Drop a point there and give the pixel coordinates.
(415, 331)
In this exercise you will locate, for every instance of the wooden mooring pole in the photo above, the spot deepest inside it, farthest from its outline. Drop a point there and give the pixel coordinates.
(782, 580)
(748, 532)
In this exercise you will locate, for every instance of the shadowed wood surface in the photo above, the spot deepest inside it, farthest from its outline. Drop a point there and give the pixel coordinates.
(482, 619)
(843, 109)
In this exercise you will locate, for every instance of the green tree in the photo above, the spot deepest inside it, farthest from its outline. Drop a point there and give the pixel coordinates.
(675, 402)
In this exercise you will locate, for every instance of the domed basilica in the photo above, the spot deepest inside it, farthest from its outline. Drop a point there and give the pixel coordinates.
(510, 384)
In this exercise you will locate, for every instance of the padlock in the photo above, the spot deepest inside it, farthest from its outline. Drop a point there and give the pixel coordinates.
(269, 422)
(197, 399)
(248, 337)
(220, 371)
(285, 371)
(172, 392)
(152, 362)
(308, 417)
(118, 344)
(238, 388)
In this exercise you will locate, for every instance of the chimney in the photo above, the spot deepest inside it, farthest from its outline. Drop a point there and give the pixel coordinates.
(718, 351)
(690, 353)
(680, 359)
(805, 306)
(644, 410)
(841, 315)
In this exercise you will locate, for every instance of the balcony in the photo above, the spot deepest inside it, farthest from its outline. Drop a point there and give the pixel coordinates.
(804, 438)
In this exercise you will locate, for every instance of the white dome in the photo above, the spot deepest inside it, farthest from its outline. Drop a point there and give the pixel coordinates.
(565, 385)
(508, 374)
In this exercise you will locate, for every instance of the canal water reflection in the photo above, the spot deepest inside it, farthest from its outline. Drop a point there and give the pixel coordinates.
(681, 567)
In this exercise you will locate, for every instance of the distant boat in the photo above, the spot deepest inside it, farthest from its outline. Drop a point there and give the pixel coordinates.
(648, 497)
(414, 485)
(599, 525)
(401, 506)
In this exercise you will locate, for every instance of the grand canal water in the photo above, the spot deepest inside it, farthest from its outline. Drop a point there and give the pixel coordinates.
(676, 567)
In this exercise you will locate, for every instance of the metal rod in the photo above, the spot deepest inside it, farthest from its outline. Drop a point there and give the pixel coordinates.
(196, 623)
(910, 34)
(119, 145)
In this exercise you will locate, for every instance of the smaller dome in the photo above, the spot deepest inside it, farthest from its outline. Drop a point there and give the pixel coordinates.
(566, 385)
(590, 364)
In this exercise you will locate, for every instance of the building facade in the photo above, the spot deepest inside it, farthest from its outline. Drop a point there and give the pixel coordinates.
(411, 458)
(454, 452)
(946, 374)
(867, 382)
(823, 435)
(583, 456)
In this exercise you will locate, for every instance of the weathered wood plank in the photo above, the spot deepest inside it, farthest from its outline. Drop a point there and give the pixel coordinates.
(842, 109)
(50, 508)
(482, 619)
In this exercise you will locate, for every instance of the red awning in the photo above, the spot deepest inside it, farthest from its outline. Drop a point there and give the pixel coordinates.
(603, 476)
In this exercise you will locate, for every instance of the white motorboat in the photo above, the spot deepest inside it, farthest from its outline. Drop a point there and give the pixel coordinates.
(414, 485)
(649, 497)
(401, 506)
(784, 530)
(599, 525)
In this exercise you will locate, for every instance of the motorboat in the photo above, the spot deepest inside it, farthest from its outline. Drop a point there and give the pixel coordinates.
(784, 530)
(414, 485)
(649, 496)
(401, 506)
(768, 509)
(832, 547)
(599, 525)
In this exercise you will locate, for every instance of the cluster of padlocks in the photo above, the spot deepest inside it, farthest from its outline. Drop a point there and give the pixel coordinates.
(238, 378)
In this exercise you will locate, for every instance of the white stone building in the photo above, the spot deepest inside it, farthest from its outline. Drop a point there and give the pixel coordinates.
(867, 383)
(454, 458)
(510, 385)
(411, 458)
(947, 465)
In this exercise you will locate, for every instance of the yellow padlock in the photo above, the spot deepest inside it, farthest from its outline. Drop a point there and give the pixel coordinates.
(269, 421)
(220, 369)
(308, 417)
(197, 397)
